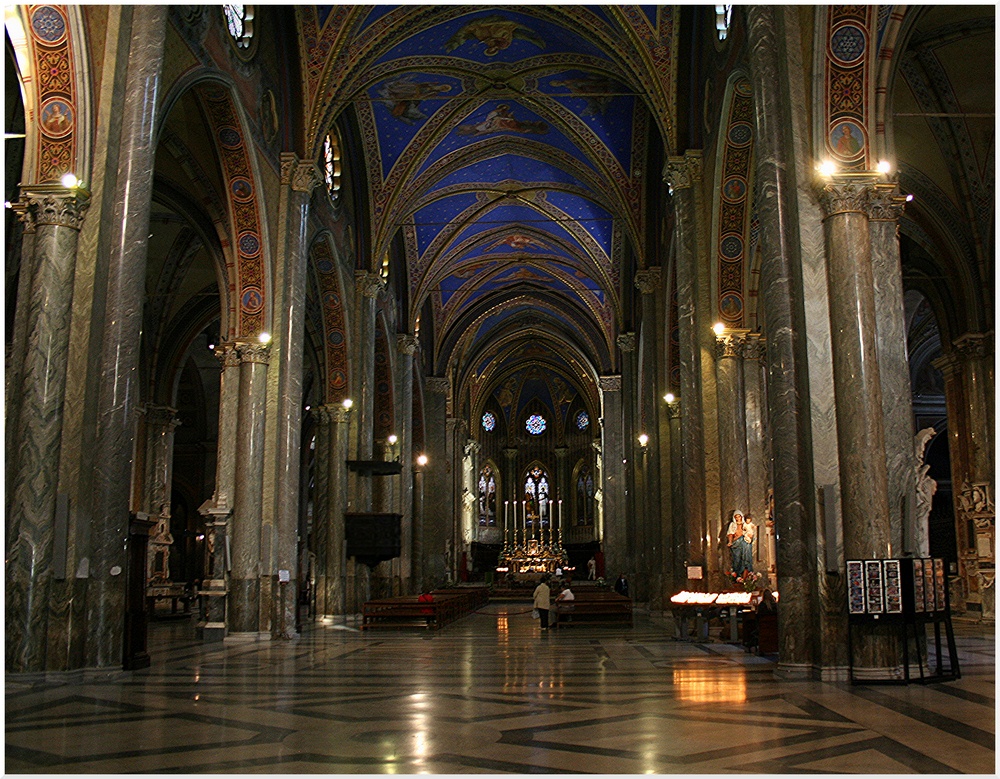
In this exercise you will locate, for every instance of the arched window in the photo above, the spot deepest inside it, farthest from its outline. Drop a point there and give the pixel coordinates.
(487, 497)
(536, 496)
(583, 496)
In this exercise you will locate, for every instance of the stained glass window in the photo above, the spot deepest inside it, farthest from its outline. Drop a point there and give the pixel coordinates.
(582, 420)
(489, 421)
(331, 165)
(535, 424)
(723, 18)
(238, 22)
(536, 497)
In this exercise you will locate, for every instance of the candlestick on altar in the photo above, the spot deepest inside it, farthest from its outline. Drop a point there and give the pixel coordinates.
(551, 503)
(560, 523)
(505, 526)
(524, 516)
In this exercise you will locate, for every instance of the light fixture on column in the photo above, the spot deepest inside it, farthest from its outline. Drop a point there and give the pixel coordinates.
(643, 440)
(670, 397)
(264, 337)
(392, 439)
(719, 328)
(826, 168)
(422, 460)
(884, 166)
(69, 181)
(347, 403)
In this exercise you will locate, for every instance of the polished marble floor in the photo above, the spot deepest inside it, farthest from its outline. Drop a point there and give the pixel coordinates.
(492, 693)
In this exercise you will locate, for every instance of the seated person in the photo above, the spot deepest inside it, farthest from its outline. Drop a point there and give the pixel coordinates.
(564, 603)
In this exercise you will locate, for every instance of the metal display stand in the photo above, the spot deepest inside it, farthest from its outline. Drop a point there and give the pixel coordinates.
(905, 593)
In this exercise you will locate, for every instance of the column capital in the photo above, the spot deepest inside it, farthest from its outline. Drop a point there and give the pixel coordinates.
(730, 344)
(845, 197)
(440, 384)
(755, 347)
(510, 453)
(52, 204)
(648, 281)
(163, 416)
(626, 342)
(885, 204)
(973, 345)
(332, 413)
(682, 172)
(301, 175)
(610, 383)
(674, 410)
(253, 352)
(226, 354)
(369, 284)
(407, 344)
(949, 364)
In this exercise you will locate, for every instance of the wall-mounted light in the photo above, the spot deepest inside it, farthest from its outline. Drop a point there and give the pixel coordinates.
(826, 168)
(392, 439)
(643, 440)
(347, 403)
(69, 181)
(422, 460)
(884, 166)
(669, 397)
(719, 328)
(264, 338)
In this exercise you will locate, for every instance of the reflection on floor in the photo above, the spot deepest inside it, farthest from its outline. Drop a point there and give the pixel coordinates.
(493, 693)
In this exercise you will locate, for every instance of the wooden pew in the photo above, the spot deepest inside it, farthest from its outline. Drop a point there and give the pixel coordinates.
(446, 606)
(591, 606)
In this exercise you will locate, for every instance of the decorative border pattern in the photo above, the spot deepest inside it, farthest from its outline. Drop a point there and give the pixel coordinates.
(849, 52)
(334, 329)
(734, 197)
(384, 401)
(52, 54)
(244, 210)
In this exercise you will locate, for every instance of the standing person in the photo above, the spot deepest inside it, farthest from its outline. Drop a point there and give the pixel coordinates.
(592, 569)
(740, 537)
(541, 601)
(621, 586)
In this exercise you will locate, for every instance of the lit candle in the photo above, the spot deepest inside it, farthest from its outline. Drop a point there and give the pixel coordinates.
(505, 522)
(550, 520)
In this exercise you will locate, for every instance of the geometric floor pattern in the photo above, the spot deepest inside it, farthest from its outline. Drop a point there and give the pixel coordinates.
(492, 693)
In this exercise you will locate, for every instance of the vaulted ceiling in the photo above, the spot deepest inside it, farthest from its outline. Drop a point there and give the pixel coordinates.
(504, 150)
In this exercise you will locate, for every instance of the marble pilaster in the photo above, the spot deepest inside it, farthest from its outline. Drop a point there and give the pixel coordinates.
(734, 466)
(245, 531)
(975, 352)
(56, 214)
(368, 287)
(120, 341)
(631, 544)
(298, 178)
(683, 174)
(788, 380)
(407, 346)
(321, 525)
(885, 205)
(613, 475)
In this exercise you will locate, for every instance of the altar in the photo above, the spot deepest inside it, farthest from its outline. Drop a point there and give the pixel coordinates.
(531, 547)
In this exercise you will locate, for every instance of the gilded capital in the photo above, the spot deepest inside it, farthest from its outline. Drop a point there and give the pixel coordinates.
(844, 197)
(253, 352)
(610, 383)
(368, 284)
(53, 204)
(626, 342)
(407, 344)
(648, 281)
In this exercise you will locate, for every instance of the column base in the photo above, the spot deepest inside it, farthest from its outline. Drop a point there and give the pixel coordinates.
(211, 632)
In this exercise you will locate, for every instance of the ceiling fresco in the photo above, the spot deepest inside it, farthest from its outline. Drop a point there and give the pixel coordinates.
(505, 145)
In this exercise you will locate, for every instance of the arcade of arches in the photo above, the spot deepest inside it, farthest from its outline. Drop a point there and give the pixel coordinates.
(486, 247)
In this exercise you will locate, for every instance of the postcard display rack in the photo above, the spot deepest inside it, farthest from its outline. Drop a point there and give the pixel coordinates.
(906, 592)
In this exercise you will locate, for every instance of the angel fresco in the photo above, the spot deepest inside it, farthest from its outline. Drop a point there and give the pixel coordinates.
(517, 241)
(501, 120)
(598, 91)
(403, 94)
(495, 32)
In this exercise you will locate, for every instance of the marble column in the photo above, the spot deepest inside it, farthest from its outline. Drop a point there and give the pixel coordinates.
(229, 404)
(658, 506)
(407, 346)
(758, 452)
(782, 298)
(368, 286)
(120, 341)
(975, 352)
(56, 215)
(246, 574)
(631, 544)
(298, 178)
(512, 479)
(335, 504)
(613, 541)
(730, 386)
(677, 519)
(885, 205)
(321, 525)
(683, 174)
(454, 442)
